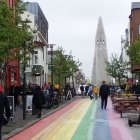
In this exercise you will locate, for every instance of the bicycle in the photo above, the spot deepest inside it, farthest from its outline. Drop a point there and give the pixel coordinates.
(53, 102)
(69, 95)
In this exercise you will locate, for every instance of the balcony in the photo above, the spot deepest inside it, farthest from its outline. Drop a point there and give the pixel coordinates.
(37, 70)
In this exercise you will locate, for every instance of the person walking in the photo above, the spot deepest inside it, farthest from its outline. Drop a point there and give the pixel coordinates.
(95, 91)
(38, 100)
(4, 108)
(82, 90)
(90, 91)
(86, 89)
(104, 92)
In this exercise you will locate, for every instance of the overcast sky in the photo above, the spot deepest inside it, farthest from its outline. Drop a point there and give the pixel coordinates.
(73, 24)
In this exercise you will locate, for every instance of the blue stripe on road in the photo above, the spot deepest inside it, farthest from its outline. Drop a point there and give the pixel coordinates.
(101, 127)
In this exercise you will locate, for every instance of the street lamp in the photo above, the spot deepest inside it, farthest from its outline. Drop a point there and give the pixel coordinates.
(24, 83)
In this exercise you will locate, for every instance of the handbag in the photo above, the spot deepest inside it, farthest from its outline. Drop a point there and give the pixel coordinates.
(3, 121)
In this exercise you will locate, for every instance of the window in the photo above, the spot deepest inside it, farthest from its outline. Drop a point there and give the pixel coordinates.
(36, 52)
(36, 59)
(132, 35)
(43, 53)
(139, 29)
(11, 3)
(100, 40)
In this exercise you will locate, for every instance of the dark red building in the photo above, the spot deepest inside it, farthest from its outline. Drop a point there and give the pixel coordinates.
(135, 28)
(10, 3)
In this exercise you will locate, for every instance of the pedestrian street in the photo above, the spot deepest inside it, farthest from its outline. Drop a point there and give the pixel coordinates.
(82, 119)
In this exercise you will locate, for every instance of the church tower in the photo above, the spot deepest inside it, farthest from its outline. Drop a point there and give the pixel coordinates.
(100, 56)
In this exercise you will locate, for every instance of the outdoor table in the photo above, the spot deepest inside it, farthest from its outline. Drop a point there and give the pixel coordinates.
(126, 104)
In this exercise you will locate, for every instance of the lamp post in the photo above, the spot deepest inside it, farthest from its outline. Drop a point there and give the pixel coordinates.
(24, 83)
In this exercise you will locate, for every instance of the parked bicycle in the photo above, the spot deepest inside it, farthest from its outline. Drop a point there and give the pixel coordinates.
(52, 101)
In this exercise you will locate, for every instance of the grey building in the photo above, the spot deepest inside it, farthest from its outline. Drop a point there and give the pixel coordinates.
(40, 19)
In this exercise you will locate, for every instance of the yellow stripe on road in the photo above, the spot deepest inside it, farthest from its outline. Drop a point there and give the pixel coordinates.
(64, 127)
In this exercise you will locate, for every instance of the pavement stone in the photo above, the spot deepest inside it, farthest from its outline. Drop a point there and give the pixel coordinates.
(18, 124)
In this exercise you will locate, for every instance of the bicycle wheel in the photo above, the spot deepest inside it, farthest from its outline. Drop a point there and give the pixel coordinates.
(55, 104)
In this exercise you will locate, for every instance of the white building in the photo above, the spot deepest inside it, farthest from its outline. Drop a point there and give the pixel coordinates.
(37, 67)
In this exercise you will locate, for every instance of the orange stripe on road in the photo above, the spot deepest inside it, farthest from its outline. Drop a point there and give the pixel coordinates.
(64, 127)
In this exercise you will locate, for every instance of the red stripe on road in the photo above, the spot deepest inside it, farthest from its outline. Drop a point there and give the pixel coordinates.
(30, 132)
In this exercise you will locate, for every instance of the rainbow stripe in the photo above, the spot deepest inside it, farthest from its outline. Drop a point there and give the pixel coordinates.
(82, 119)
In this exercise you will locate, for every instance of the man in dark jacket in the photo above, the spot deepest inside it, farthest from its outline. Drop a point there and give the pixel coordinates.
(38, 100)
(104, 92)
(4, 105)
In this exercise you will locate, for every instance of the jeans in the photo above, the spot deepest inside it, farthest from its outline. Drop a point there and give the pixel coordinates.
(103, 102)
(91, 95)
(96, 95)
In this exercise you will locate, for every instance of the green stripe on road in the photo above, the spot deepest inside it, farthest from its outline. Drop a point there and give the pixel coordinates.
(85, 128)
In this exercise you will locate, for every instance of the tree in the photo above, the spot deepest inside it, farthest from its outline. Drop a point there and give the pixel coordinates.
(133, 53)
(63, 66)
(116, 68)
(14, 33)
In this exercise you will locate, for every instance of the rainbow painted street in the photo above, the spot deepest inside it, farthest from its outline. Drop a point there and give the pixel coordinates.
(82, 119)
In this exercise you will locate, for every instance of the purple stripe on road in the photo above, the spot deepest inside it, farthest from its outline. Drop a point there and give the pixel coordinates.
(119, 130)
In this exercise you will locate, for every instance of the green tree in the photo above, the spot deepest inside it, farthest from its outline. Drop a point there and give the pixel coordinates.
(63, 66)
(133, 53)
(14, 33)
(116, 68)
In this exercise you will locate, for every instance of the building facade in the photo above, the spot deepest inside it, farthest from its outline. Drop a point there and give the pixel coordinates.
(135, 34)
(39, 62)
(37, 68)
(40, 19)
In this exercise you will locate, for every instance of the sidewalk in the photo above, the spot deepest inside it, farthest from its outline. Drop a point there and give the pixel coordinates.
(18, 124)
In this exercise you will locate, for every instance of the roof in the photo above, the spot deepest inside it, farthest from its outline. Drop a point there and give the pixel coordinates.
(135, 5)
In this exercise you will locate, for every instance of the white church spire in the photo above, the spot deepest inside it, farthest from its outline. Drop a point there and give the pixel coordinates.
(100, 56)
(100, 34)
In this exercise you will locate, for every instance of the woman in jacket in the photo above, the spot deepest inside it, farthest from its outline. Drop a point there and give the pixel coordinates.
(95, 91)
